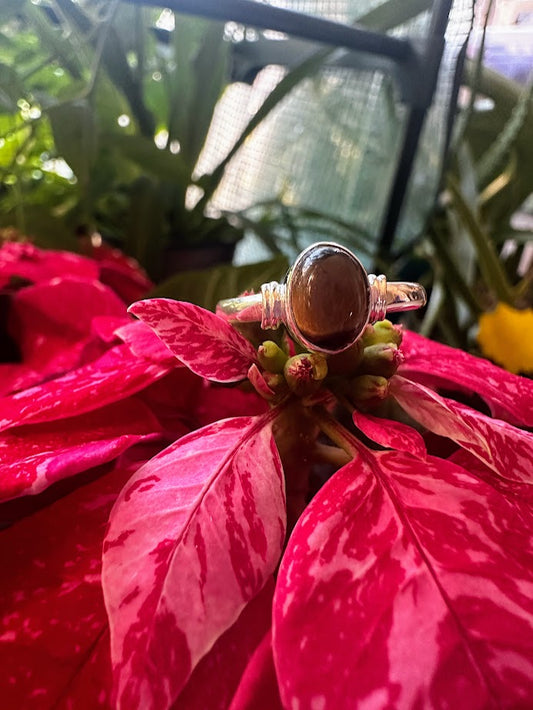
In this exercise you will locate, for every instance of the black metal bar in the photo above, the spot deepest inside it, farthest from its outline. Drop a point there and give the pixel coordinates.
(251, 57)
(263, 16)
(398, 190)
(430, 60)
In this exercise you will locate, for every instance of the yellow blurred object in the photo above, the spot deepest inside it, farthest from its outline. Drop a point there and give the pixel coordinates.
(506, 336)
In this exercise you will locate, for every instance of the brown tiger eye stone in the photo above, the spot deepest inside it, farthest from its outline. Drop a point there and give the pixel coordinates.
(329, 295)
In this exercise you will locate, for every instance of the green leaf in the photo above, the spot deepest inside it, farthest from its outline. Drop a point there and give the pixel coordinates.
(48, 231)
(289, 228)
(143, 234)
(144, 152)
(303, 71)
(506, 140)
(124, 79)
(210, 69)
(75, 136)
(195, 81)
(114, 59)
(483, 131)
(11, 89)
(489, 264)
(206, 287)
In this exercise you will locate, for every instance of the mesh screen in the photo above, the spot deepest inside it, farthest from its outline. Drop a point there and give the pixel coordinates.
(333, 144)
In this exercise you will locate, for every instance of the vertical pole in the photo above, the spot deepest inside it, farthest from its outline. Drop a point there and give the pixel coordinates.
(426, 72)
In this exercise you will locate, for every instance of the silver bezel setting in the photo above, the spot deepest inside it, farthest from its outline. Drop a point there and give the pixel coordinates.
(289, 319)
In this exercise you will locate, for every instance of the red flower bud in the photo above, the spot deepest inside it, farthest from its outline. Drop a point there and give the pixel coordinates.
(304, 373)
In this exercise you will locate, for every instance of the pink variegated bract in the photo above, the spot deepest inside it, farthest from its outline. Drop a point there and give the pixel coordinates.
(210, 532)
(206, 344)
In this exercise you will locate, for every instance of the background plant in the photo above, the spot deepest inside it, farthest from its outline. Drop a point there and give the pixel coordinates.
(104, 116)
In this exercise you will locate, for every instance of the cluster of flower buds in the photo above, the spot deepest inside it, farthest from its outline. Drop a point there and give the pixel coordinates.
(378, 358)
(363, 371)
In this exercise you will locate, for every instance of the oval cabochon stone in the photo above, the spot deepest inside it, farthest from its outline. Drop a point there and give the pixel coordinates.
(329, 296)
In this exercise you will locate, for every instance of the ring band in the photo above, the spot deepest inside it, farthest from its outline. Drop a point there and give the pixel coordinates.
(326, 300)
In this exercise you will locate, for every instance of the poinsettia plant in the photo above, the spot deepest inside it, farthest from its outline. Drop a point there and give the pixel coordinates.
(345, 532)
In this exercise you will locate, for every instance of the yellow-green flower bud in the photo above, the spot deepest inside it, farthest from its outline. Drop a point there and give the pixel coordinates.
(382, 332)
(271, 357)
(304, 373)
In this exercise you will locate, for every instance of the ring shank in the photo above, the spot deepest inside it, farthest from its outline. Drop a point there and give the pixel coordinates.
(241, 309)
(404, 296)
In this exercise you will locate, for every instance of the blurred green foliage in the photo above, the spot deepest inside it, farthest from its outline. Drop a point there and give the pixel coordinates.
(478, 240)
(104, 113)
(85, 89)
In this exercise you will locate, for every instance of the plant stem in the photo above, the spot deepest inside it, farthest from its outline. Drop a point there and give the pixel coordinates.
(295, 433)
(474, 81)
(523, 286)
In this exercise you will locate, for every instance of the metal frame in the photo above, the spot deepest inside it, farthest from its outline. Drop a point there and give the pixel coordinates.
(414, 64)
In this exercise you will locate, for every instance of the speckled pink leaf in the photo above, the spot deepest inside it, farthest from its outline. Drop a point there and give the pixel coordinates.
(193, 537)
(36, 455)
(110, 378)
(51, 321)
(406, 584)
(258, 689)
(510, 397)
(215, 679)
(53, 646)
(391, 434)
(503, 447)
(208, 345)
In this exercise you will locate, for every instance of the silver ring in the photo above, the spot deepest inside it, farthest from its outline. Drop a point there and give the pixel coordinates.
(326, 300)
